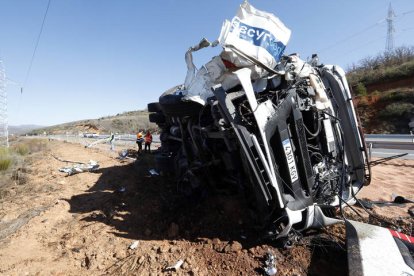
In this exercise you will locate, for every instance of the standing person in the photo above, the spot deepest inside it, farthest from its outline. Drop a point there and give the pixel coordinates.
(148, 141)
(139, 142)
(111, 141)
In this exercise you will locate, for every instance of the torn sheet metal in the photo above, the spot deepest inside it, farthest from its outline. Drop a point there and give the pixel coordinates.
(270, 263)
(253, 37)
(134, 245)
(174, 267)
(153, 172)
(122, 155)
(80, 168)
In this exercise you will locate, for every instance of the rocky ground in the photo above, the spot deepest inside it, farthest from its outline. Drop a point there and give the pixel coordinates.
(54, 224)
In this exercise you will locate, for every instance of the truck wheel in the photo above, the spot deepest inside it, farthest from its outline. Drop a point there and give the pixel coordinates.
(157, 118)
(173, 106)
(154, 107)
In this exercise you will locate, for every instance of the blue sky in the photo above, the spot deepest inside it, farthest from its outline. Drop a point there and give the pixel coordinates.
(101, 57)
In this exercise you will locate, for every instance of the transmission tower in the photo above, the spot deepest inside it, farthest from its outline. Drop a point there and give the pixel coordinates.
(4, 132)
(389, 44)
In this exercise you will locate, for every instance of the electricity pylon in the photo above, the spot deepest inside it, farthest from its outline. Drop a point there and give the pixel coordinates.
(4, 126)
(389, 44)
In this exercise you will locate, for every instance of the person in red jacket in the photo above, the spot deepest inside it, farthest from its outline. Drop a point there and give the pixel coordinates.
(148, 141)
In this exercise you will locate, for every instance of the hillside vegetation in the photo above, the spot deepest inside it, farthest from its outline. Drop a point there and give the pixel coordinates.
(384, 90)
(385, 67)
(127, 122)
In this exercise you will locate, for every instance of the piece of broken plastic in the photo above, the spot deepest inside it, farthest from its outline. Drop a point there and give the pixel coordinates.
(175, 267)
(270, 271)
(270, 261)
(134, 245)
(153, 172)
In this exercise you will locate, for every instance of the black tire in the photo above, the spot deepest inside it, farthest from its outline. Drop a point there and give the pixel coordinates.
(154, 107)
(157, 118)
(172, 104)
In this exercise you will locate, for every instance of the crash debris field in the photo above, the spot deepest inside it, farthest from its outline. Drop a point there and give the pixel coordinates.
(121, 220)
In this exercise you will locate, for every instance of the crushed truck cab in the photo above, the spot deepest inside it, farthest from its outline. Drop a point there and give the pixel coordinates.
(280, 129)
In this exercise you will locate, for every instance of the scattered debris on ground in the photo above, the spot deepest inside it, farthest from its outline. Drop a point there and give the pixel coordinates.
(92, 219)
(80, 168)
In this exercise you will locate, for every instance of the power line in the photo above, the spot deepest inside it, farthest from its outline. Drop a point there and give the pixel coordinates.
(352, 36)
(4, 130)
(37, 44)
(407, 12)
(395, 17)
(397, 34)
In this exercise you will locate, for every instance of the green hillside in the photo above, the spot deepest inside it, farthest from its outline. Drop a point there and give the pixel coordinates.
(383, 87)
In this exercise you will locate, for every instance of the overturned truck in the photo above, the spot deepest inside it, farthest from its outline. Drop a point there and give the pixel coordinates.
(282, 130)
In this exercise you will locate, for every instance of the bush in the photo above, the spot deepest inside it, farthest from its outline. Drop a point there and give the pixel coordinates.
(35, 145)
(404, 96)
(396, 64)
(5, 160)
(397, 109)
(21, 149)
(5, 164)
(360, 89)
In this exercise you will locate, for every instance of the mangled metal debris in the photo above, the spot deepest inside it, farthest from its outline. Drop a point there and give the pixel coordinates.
(80, 168)
(270, 262)
(123, 154)
(174, 267)
(283, 129)
(134, 245)
(153, 172)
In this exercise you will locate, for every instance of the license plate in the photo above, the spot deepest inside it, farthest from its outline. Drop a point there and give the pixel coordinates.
(290, 160)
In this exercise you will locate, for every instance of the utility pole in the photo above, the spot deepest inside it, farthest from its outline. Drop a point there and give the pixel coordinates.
(389, 44)
(4, 127)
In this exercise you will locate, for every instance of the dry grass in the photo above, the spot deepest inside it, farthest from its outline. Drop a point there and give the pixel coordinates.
(21, 149)
(5, 159)
(15, 163)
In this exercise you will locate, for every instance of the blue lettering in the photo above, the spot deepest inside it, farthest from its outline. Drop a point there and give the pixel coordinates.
(259, 37)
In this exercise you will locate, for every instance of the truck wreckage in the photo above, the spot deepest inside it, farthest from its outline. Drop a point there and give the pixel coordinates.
(280, 129)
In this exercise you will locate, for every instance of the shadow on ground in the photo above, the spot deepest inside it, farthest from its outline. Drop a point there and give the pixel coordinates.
(139, 206)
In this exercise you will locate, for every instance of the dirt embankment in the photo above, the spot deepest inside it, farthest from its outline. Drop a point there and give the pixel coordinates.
(83, 225)
(392, 84)
(386, 112)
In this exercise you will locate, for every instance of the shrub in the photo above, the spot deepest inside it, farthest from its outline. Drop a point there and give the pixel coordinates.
(5, 164)
(397, 109)
(35, 145)
(22, 149)
(399, 95)
(396, 64)
(360, 89)
(5, 159)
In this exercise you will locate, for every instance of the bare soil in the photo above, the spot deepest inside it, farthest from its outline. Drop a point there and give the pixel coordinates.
(83, 224)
